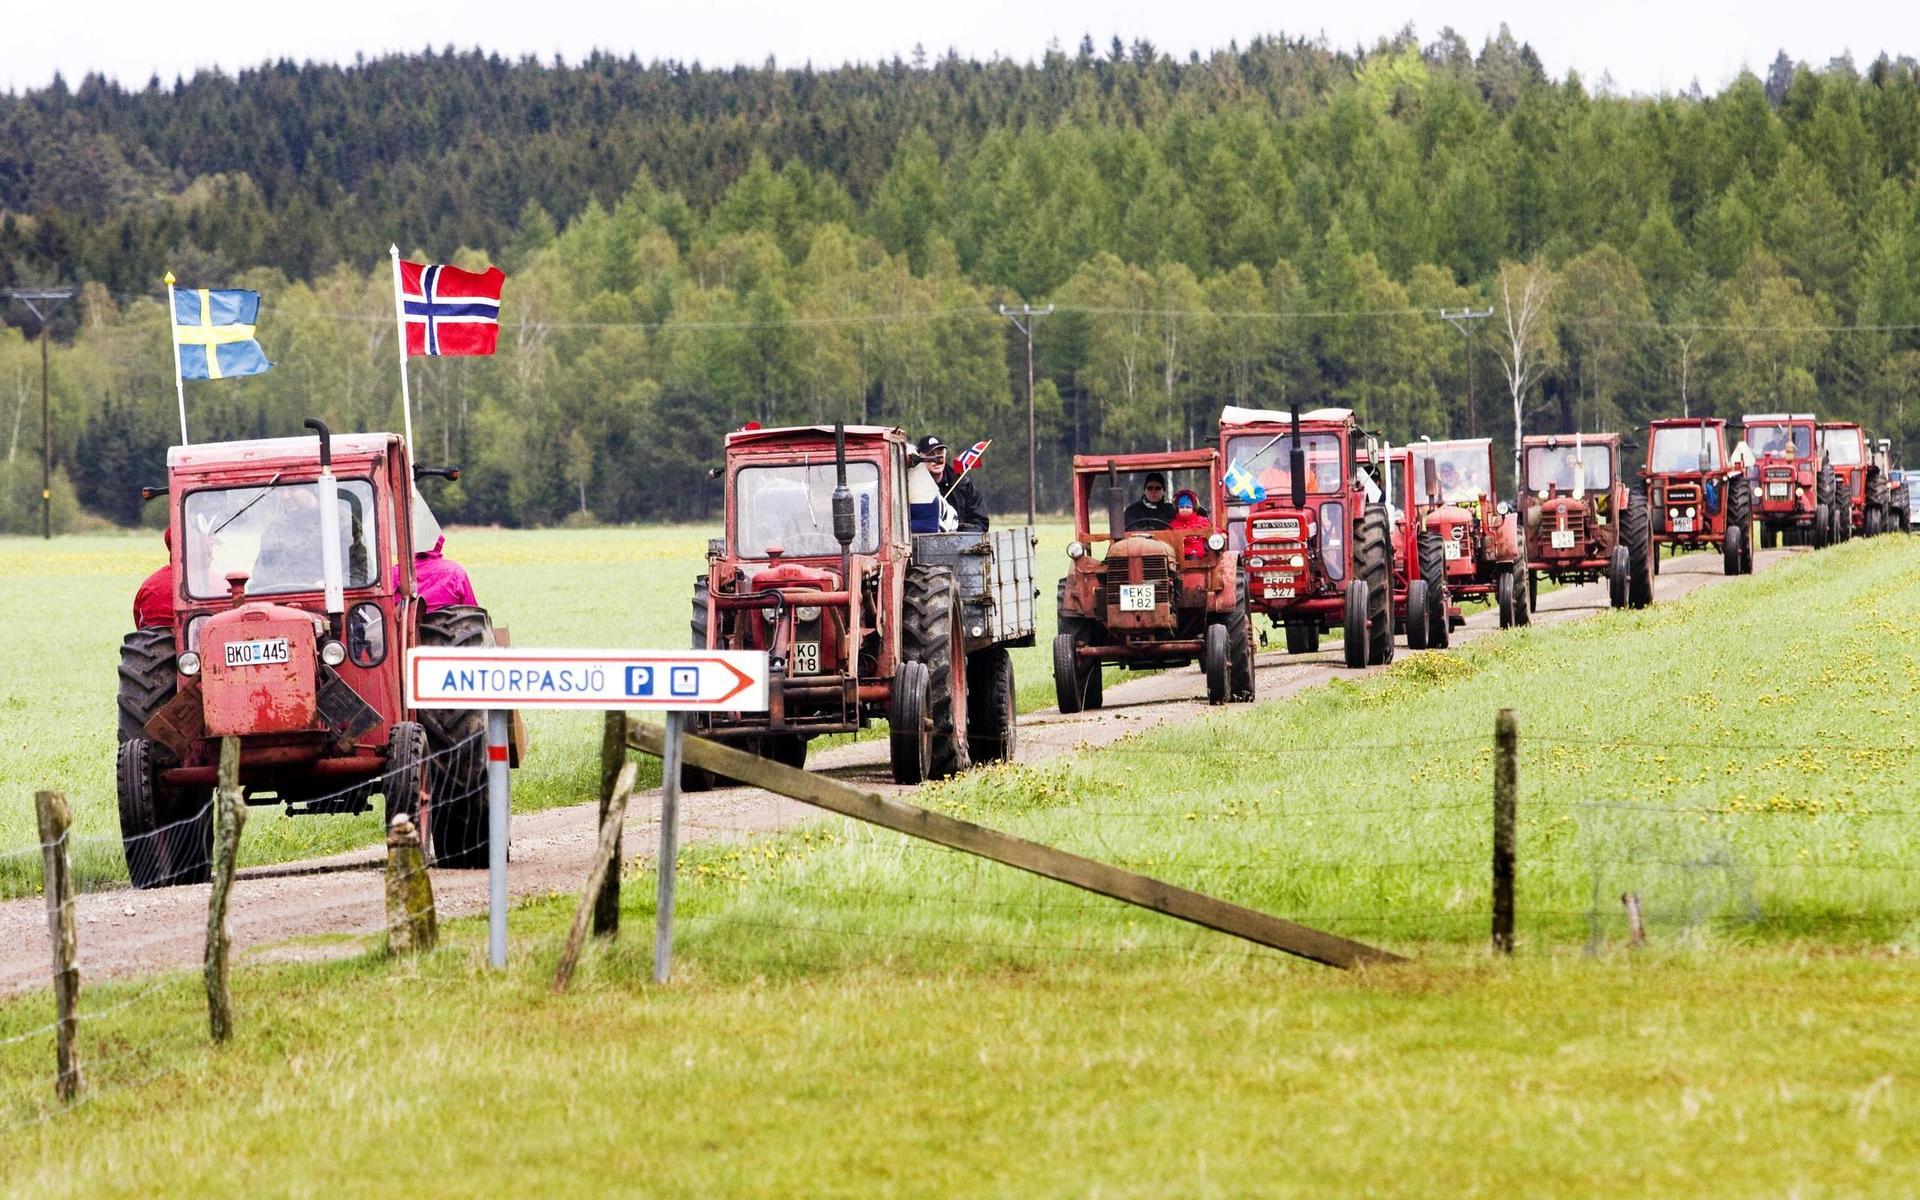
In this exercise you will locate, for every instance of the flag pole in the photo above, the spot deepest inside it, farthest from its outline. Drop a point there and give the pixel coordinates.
(173, 335)
(400, 325)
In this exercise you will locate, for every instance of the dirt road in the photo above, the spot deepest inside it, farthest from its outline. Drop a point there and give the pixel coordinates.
(127, 933)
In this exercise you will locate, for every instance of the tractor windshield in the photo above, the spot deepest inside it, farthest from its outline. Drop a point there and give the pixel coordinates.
(1677, 448)
(1558, 466)
(1263, 463)
(1843, 447)
(1466, 472)
(273, 534)
(790, 508)
(1780, 441)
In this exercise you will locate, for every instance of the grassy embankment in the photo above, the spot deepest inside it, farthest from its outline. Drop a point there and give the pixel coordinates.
(855, 1014)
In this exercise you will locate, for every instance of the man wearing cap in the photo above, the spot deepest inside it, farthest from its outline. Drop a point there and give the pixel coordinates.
(957, 488)
(1152, 510)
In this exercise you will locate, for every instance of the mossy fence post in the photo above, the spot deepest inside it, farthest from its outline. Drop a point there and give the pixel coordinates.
(229, 814)
(412, 924)
(58, 880)
(1506, 789)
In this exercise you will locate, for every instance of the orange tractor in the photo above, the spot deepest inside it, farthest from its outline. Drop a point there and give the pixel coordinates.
(1479, 536)
(1793, 484)
(1583, 523)
(1305, 500)
(1163, 593)
(1696, 499)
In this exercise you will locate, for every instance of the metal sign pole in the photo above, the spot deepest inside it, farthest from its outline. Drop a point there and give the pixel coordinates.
(499, 797)
(669, 846)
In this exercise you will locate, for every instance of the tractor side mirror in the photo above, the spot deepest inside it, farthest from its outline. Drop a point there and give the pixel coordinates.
(447, 473)
(149, 491)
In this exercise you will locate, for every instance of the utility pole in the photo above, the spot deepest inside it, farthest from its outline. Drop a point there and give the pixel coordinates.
(1031, 314)
(53, 300)
(1464, 319)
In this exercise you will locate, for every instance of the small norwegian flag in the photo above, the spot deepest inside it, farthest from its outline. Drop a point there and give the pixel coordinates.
(449, 311)
(971, 456)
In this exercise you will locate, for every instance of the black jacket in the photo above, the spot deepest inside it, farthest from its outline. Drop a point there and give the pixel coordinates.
(1144, 514)
(966, 501)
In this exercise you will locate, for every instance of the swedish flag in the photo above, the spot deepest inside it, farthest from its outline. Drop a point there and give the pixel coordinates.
(1241, 484)
(213, 330)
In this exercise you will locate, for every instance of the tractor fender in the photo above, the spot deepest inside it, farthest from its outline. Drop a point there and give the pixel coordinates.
(1223, 583)
(1502, 537)
(1080, 590)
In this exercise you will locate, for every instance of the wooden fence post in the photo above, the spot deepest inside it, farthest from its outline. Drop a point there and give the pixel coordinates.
(412, 923)
(1506, 787)
(606, 861)
(1636, 928)
(229, 814)
(613, 755)
(57, 866)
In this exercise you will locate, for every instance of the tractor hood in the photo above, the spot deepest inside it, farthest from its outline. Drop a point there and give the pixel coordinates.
(260, 666)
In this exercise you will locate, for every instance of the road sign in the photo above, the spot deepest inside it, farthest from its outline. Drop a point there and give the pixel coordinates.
(675, 680)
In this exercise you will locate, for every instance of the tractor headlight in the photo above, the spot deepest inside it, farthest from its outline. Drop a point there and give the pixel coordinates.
(1075, 550)
(1299, 560)
(333, 653)
(1217, 541)
(189, 663)
(1799, 493)
(1543, 493)
(807, 612)
(1690, 510)
(1503, 508)
(1256, 562)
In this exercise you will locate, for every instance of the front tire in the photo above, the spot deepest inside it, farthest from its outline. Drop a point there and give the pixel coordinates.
(1213, 662)
(1240, 648)
(909, 736)
(1373, 562)
(1640, 550)
(403, 785)
(1418, 622)
(992, 720)
(1355, 624)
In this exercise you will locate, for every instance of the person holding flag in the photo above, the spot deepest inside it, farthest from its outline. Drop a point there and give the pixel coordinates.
(954, 484)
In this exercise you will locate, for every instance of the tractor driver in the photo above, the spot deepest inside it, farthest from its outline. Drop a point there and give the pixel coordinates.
(1152, 510)
(289, 558)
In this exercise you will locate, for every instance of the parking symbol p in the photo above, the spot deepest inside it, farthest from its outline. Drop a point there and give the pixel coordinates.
(639, 681)
(684, 681)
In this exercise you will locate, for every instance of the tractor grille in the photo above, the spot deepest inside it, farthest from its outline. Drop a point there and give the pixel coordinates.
(1139, 570)
(1577, 521)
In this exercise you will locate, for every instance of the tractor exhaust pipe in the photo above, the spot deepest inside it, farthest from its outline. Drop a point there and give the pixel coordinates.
(842, 505)
(329, 490)
(1116, 505)
(1297, 460)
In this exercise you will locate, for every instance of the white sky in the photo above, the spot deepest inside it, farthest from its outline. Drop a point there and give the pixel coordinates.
(1647, 46)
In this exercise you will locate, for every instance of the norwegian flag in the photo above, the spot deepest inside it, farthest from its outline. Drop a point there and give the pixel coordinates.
(449, 311)
(971, 456)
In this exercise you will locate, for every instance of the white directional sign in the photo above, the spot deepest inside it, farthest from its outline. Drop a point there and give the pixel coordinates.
(679, 680)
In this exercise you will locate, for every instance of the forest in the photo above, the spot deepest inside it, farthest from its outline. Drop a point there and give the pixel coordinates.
(691, 248)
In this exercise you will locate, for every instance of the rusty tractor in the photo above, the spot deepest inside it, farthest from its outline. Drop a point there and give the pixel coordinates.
(1696, 498)
(862, 618)
(1844, 445)
(1163, 593)
(294, 608)
(1479, 536)
(1583, 523)
(1318, 535)
(1423, 602)
(1899, 501)
(1792, 482)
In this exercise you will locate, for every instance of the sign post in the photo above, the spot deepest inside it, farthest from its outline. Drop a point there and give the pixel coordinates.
(500, 680)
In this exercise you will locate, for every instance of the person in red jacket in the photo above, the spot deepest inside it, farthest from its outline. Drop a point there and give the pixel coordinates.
(1186, 515)
(153, 603)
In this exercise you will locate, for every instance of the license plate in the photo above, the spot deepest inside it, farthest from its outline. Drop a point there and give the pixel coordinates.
(1683, 524)
(806, 658)
(1562, 539)
(254, 654)
(1451, 549)
(1285, 593)
(1777, 491)
(1136, 597)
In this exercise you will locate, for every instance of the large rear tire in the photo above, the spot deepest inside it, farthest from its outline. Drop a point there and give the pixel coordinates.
(1373, 562)
(456, 758)
(932, 635)
(403, 783)
(1640, 550)
(992, 721)
(1417, 619)
(148, 678)
(909, 736)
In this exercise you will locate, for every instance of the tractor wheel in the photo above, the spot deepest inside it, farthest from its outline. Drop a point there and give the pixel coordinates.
(1439, 622)
(1732, 550)
(933, 636)
(1296, 638)
(1870, 524)
(1433, 569)
(1417, 619)
(403, 783)
(456, 751)
(787, 749)
(1619, 570)
(1822, 526)
(1312, 634)
(1373, 562)
(1740, 516)
(699, 614)
(1355, 625)
(1640, 550)
(1240, 648)
(1213, 662)
(991, 722)
(1069, 677)
(166, 833)
(909, 740)
(1503, 592)
(148, 678)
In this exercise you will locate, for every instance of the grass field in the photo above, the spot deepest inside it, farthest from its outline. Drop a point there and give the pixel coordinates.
(69, 602)
(855, 1014)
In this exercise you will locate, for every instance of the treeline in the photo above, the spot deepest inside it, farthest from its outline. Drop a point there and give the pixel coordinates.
(1283, 221)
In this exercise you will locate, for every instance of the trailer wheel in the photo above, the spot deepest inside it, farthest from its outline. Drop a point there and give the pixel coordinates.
(1240, 650)
(1373, 562)
(403, 783)
(991, 716)
(933, 636)
(1619, 567)
(456, 756)
(1417, 619)
(1213, 662)
(1640, 550)
(148, 678)
(909, 739)
(1355, 625)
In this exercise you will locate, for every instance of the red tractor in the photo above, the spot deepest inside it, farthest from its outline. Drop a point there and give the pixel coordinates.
(1583, 523)
(1317, 532)
(1696, 498)
(862, 618)
(1862, 476)
(294, 609)
(1423, 602)
(1479, 536)
(1164, 592)
(1793, 484)
(1897, 512)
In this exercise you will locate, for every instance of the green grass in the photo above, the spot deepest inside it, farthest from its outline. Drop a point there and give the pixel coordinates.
(69, 602)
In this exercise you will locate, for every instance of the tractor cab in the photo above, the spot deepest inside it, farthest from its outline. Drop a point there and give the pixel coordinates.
(1856, 479)
(1582, 522)
(1697, 498)
(294, 606)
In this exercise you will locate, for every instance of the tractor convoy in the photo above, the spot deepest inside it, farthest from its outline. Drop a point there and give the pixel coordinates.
(295, 600)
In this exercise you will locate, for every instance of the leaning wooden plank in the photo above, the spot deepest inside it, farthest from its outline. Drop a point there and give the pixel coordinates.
(1101, 878)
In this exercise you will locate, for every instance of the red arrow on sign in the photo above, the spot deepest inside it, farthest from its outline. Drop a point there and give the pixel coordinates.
(746, 681)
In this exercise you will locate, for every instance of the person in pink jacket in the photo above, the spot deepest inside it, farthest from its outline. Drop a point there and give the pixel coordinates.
(441, 581)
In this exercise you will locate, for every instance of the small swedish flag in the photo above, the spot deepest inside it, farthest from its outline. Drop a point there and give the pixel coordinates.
(1241, 484)
(213, 331)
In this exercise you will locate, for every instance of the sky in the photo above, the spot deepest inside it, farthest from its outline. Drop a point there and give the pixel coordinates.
(1645, 47)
